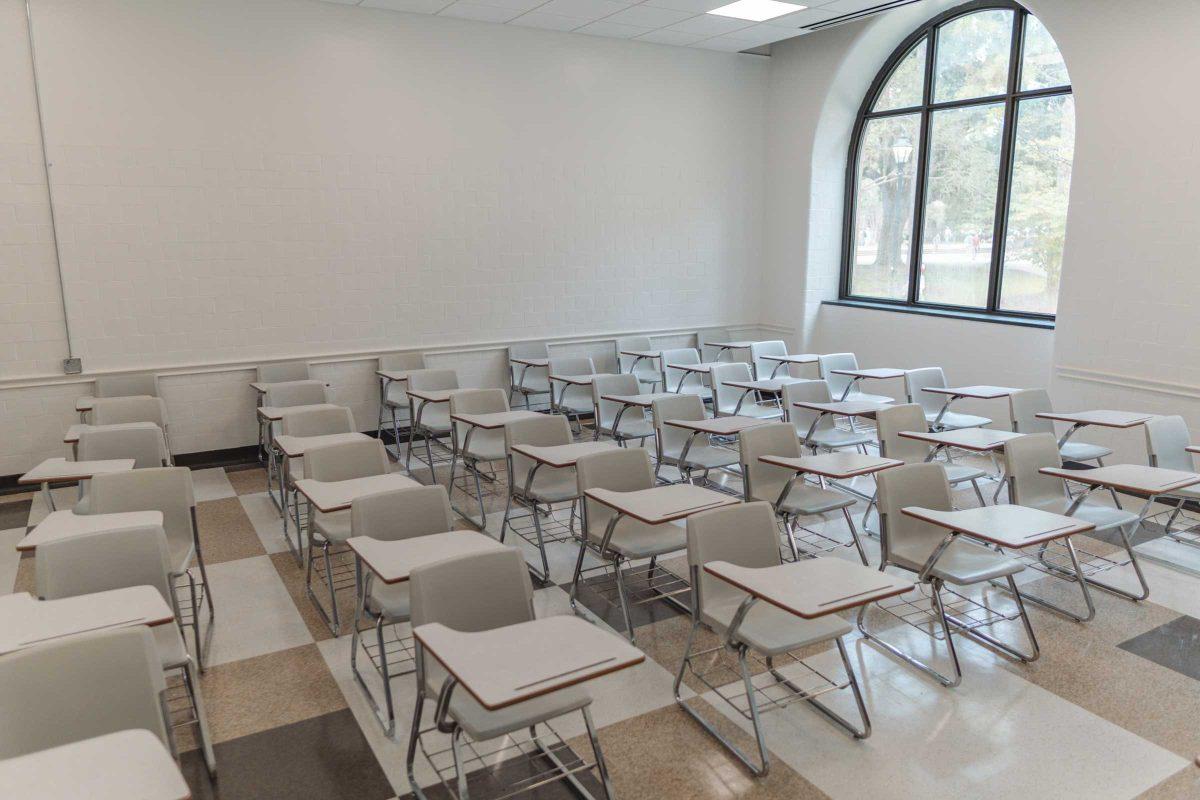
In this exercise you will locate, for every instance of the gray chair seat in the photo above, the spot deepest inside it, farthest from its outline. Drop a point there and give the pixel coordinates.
(551, 485)
(836, 437)
(487, 448)
(807, 500)
(481, 724)
(436, 417)
(706, 456)
(962, 563)
(1103, 517)
(772, 631)
(334, 526)
(1082, 451)
(635, 427)
(752, 409)
(957, 473)
(863, 396)
(389, 599)
(634, 539)
(953, 421)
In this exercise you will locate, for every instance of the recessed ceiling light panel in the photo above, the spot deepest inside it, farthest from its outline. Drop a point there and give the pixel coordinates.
(756, 10)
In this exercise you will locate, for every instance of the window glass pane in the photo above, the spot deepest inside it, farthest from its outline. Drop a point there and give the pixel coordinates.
(960, 205)
(884, 207)
(972, 56)
(906, 87)
(1042, 65)
(1037, 217)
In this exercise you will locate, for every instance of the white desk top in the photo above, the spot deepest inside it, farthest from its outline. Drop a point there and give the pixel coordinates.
(531, 362)
(25, 621)
(980, 440)
(794, 358)
(875, 373)
(977, 392)
(1193, 448)
(55, 470)
(116, 766)
(87, 402)
(639, 400)
(575, 380)
(849, 408)
(561, 455)
(433, 395)
(1104, 419)
(741, 345)
(278, 412)
(719, 426)
(65, 524)
(642, 353)
(814, 587)
(73, 432)
(662, 503)
(764, 385)
(393, 561)
(836, 465)
(702, 367)
(393, 374)
(493, 420)
(1005, 525)
(1128, 478)
(529, 659)
(295, 446)
(337, 495)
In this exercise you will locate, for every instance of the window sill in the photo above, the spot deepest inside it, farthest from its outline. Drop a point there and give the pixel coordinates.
(973, 316)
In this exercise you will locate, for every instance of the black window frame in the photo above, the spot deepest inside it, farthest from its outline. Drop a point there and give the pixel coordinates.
(1011, 99)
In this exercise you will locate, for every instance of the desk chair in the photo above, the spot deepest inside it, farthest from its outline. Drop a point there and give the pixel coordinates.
(1166, 441)
(500, 595)
(429, 420)
(539, 487)
(614, 419)
(120, 410)
(307, 422)
(51, 695)
(132, 385)
(678, 380)
(910, 417)
(389, 517)
(730, 401)
(392, 398)
(764, 369)
(937, 558)
(573, 401)
(648, 371)
(838, 383)
(706, 335)
(337, 462)
(618, 544)
(915, 382)
(787, 492)
(146, 446)
(671, 441)
(827, 435)
(286, 395)
(1023, 458)
(523, 379)
(169, 490)
(476, 446)
(745, 535)
(1023, 409)
(117, 559)
(283, 371)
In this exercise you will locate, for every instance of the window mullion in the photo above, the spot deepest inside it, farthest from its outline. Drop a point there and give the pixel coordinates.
(1007, 145)
(918, 220)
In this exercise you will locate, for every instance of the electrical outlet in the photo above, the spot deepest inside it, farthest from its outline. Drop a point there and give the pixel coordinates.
(72, 366)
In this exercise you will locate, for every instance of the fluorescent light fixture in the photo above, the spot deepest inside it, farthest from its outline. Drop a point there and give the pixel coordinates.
(756, 10)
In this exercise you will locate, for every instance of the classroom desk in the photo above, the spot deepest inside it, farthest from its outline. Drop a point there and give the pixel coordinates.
(260, 389)
(75, 431)
(290, 447)
(837, 466)
(526, 660)
(724, 347)
(330, 496)
(841, 408)
(703, 368)
(393, 561)
(643, 355)
(658, 505)
(873, 374)
(1104, 419)
(716, 426)
(88, 769)
(26, 621)
(812, 588)
(1134, 479)
(797, 358)
(59, 470)
(628, 401)
(1015, 528)
(977, 440)
(773, 386)
(86, 403)
(66, 524)
(559, 455)
(567, 381)
(267, 414)
(488, 421)
(953, 394)
(526, 364)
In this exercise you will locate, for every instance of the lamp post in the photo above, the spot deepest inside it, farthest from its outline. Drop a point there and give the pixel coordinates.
(902, 150)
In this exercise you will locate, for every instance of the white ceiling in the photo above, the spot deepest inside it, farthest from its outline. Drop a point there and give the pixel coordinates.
(677, 22)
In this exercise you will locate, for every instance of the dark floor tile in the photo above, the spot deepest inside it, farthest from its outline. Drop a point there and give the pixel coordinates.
(1147, 532)
(15, 513)
(250, 479)
(323, 758)
(598, 595)
(497, 781)
(1175, 645)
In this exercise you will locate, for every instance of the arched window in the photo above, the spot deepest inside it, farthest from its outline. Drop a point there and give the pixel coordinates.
(960, 167)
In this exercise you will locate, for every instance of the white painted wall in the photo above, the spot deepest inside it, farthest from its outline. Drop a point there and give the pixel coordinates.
(239, 180)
